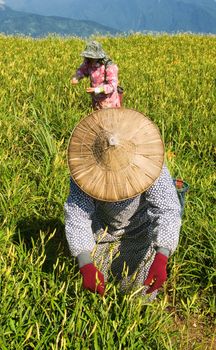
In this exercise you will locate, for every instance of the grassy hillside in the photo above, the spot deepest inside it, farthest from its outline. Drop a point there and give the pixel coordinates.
(42, 305)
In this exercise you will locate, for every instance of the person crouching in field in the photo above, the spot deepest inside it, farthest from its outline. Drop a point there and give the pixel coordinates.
(123, 215)
(103, 75)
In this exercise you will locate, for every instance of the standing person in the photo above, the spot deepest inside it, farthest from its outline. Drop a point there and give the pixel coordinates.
(123, 216)
(103, 74)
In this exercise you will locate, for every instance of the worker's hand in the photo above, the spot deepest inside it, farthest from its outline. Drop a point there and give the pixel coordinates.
(157, 273)
(93, 279)
(74, 81)
(90, 90)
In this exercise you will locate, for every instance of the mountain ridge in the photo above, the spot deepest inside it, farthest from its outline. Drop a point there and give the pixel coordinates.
(23, 23)
(134, 15)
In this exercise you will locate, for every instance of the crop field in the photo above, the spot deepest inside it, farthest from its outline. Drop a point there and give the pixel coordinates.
(171, 79)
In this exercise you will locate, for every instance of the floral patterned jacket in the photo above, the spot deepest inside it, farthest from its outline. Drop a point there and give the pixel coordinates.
(105, 78)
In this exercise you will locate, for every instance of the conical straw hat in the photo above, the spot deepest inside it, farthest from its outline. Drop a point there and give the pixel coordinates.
(115, 154)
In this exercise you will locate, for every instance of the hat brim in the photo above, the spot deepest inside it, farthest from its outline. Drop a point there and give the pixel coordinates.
(115, 154)
(92, 55)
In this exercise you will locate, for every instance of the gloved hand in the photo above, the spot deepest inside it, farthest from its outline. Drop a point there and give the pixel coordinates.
(157, 273)
(93, 279)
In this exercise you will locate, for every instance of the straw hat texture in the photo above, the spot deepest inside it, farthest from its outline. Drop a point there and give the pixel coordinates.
(115, 154)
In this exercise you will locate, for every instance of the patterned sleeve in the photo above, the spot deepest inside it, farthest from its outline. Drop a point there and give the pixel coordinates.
(111, 79)
(164, 212)
(79, 209)
(82, 71)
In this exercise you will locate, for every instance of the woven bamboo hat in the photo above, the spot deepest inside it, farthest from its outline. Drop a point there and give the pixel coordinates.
(115, 154)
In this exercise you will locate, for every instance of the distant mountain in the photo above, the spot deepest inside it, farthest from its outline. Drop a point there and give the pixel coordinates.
(17, 22)
(197, 16)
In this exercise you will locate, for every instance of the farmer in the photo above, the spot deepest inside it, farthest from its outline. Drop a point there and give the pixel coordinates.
(103, 75)
(122, 217)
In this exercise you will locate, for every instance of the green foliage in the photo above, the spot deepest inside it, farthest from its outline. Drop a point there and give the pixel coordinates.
(42, 305)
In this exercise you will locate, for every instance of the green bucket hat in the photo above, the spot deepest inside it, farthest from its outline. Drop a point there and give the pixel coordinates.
(94, 50)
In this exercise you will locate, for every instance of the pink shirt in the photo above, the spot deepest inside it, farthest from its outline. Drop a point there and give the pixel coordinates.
(96, 71)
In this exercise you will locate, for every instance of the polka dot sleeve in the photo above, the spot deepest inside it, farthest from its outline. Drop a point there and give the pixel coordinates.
(79, 209)
(164, 212)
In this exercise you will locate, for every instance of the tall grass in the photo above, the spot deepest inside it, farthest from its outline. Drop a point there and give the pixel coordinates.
(42, 305)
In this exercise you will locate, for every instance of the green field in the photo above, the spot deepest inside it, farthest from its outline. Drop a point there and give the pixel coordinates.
(42, 305)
